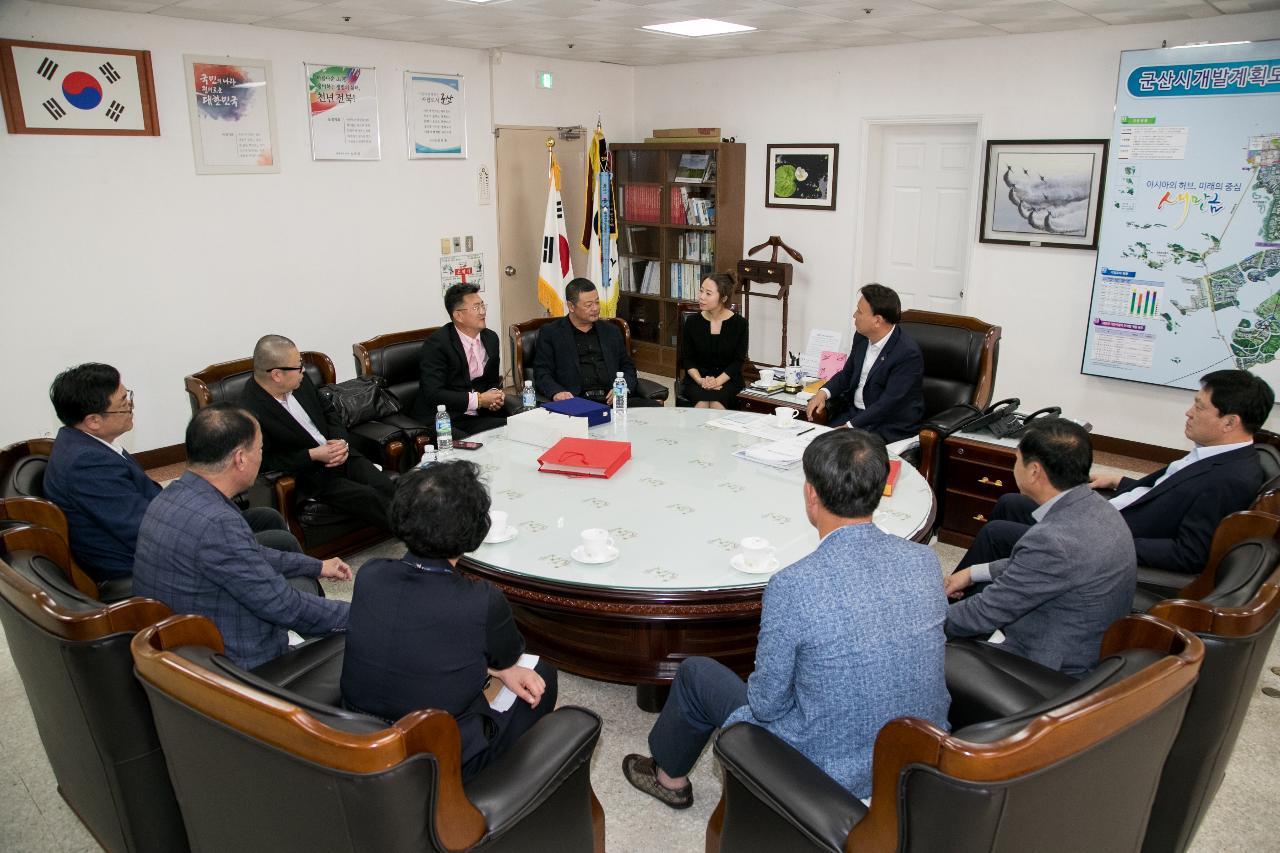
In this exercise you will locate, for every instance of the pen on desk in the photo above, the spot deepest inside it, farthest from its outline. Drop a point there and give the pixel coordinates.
(803, 431)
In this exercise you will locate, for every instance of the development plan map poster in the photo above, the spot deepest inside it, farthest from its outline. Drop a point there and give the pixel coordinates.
(1188, 274)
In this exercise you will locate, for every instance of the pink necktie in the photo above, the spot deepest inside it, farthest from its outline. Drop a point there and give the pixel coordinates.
(475, 360)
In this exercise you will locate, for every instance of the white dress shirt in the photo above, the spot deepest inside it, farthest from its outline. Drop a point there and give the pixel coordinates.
(1197, 453)
(119, 450)
(293, 407)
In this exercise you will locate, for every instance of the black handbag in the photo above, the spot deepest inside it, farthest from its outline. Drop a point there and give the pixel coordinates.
(358, 400)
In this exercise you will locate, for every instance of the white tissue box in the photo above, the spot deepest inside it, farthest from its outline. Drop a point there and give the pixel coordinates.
(542, 428)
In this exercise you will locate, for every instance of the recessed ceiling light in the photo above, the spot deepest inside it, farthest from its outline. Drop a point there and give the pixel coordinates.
(699, 27)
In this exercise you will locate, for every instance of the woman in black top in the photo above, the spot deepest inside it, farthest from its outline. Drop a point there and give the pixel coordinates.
(713, 346)
(422, 636)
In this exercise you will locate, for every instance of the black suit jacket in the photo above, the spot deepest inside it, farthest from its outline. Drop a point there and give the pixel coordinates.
(555, 358)
(445, 377)
(285, 444)
(894, 395)
(1173, 524)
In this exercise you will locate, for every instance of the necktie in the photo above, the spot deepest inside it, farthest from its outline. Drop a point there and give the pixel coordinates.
(475, 359)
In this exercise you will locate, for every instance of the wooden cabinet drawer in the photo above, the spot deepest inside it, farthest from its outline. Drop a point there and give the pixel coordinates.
(966, 513)
(977, 478)
(988, 454)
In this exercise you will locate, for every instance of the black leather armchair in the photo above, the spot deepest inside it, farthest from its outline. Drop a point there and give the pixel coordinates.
(1074, 772)
(1233, 608)
(960, 359)
(22, 467)
(1158, 584)
(395, 357)
(37, 512)
(259, 767)
(524, 338)
(322, 530)
(72, 654)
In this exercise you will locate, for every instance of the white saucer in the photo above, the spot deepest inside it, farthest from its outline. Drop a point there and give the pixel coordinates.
(610, 554)
(739, 562)
(505, 536)
(789, 425)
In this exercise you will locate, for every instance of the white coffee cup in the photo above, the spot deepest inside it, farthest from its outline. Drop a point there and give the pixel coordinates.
(766, 374)
(756, 552)
(497, 523)
(596, 542)
(784, 413)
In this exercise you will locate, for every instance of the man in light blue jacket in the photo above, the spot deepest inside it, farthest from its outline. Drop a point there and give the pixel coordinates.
(850, 638)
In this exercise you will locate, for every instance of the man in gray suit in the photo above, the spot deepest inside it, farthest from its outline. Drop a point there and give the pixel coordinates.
(1069, 577)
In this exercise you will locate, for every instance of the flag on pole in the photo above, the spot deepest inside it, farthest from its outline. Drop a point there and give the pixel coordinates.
(600, 230)
(555, 271)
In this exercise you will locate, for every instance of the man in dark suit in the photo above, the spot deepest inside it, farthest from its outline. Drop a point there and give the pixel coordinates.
(459, 367)
(97, 484)
(576, 356)
(879, 387)
(1172, 513)
(196, 555)
(299, 439)
(1069, 577)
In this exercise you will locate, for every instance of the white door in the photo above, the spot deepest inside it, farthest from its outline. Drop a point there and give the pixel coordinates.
(925, 216)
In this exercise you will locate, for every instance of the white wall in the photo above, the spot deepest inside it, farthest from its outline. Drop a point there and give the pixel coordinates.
(1043, 86)
(581, 91)
(115, 250)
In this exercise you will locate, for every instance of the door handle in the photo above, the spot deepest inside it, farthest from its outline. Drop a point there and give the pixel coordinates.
(986, 482)
(979, 517)
(510, 270)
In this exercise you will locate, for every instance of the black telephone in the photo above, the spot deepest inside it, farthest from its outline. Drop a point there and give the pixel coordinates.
(1014, 424)
(997, 411)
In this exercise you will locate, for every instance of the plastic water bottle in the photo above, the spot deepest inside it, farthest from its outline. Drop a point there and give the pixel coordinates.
(619, 394)
(528, 399)
(444, 434)
(428, 456)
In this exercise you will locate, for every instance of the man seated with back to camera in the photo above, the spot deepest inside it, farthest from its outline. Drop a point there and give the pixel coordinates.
(197, 555)
(423, 636)
(850, 638)
(99, 486)
(1069, 577)
(302, 440)
(1172, 513)
(880, 388)
(459, 367)
(579, 356)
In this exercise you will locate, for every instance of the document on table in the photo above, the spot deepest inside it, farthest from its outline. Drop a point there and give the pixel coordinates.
(503, 699)
(770, 427)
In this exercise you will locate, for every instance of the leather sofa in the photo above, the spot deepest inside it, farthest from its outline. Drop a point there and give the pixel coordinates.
(72, 654)
(260, 767)
(1075, 771)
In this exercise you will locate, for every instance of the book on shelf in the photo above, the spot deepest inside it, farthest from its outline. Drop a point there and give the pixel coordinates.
(700, 133)
(641, 203)
(692, 168)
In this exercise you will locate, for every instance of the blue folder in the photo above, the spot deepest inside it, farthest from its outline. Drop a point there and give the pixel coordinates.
(579, 407)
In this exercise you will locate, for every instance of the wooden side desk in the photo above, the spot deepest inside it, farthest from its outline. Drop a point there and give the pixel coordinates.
(970, 474)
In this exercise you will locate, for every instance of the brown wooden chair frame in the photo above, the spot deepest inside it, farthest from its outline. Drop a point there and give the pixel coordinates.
(12, 454)
(78, 626)
(282, 486)
(459, 824)
(41, 513)
(1046, 740)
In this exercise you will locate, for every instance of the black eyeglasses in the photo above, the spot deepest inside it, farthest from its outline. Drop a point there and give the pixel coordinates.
(128, 403)
(287, 369)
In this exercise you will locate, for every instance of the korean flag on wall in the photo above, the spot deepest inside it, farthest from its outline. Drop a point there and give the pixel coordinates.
(71, 89)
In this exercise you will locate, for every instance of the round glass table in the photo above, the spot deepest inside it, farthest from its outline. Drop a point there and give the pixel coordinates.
(676, 512)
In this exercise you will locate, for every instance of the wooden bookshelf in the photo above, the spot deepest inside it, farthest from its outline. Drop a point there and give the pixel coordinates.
(671, 235)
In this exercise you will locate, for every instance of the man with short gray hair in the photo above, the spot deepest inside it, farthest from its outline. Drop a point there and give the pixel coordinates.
(196, 553)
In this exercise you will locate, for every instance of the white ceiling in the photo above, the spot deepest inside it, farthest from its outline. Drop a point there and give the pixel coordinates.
(606, 30)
